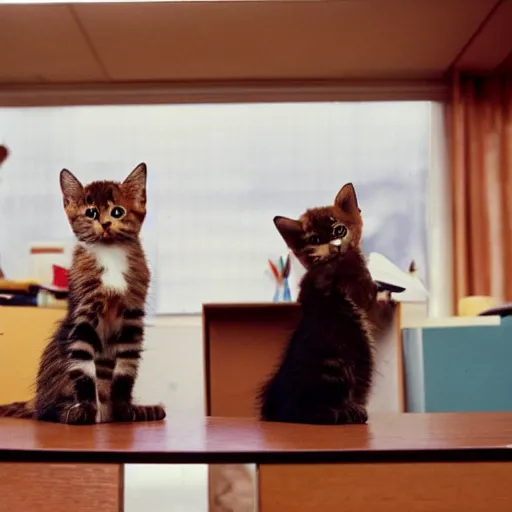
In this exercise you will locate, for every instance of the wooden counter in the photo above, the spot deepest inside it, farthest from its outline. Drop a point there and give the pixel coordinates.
(399, 462)
(388, 439)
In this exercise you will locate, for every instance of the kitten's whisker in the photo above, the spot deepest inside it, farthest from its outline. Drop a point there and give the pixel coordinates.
(70, 409)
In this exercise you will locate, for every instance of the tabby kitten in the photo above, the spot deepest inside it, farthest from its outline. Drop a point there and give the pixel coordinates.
(326, 371)
(88, 370)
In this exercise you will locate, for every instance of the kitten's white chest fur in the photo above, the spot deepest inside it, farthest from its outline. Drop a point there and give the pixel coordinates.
(114, 262)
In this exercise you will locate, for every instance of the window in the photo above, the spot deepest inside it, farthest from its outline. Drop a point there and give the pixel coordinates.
(218, 174)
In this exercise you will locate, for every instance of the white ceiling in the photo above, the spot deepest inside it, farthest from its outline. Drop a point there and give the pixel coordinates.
(238, 41)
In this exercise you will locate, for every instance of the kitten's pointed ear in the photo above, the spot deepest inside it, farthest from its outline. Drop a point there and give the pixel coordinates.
(72, 189)
(135, 184)
(346, 200)
(291, 231)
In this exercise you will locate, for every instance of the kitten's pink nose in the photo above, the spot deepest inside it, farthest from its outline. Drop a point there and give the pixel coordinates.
(106, 225)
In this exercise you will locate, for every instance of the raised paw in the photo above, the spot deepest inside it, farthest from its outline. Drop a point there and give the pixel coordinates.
(382, 313)
(126, 412)
(81, 413)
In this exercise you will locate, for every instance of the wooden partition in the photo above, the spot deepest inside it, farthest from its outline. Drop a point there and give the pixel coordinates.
(242, 344)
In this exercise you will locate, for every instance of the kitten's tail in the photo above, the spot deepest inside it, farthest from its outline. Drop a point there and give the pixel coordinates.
(23, 410)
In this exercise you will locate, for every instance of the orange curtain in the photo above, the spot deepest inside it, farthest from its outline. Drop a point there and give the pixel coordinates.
(480, 130)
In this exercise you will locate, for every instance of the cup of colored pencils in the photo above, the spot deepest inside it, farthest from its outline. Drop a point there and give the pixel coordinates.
(280, 271)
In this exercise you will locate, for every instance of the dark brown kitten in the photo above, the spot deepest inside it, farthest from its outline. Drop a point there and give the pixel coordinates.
(326, 371)
(380, 307)
(323, 233)
(88, 370)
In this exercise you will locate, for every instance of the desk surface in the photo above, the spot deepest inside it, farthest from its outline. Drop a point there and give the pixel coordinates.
(387, 438)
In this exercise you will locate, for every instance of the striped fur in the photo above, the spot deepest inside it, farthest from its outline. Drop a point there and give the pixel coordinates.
(88, 370)
(23, 410)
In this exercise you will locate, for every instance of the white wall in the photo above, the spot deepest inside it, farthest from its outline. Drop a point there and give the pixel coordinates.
(172, 373)
(172, 368)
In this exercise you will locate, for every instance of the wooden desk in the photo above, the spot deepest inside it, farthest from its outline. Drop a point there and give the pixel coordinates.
(398, 462)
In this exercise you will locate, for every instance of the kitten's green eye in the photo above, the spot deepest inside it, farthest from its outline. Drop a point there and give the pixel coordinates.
(117, 212)
(313, 240)
(339, 231)
(92, 213)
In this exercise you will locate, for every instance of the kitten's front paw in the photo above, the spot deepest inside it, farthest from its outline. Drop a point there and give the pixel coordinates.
(123, 412)
(149, 412)
(382, 313)
(354, 414)
(385, 299)
(126, 412)
(82, 413)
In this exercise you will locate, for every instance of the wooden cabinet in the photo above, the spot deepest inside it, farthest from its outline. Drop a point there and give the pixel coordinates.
(24, 333)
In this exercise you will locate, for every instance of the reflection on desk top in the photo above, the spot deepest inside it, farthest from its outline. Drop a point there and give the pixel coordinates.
(387, 438)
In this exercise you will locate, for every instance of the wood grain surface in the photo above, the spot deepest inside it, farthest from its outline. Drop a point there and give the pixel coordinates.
(60, 487)
(388, 437)
(242, 345)
(388, 487)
